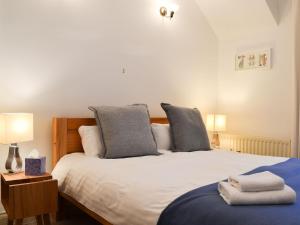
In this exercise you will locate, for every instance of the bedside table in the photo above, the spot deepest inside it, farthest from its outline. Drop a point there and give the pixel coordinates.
(29, 196)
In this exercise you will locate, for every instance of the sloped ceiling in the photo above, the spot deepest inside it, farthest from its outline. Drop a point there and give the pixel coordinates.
(274, 8)
(235, 18)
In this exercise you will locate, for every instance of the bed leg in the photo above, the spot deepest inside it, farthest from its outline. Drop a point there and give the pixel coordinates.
(53, 218)
(61, 214)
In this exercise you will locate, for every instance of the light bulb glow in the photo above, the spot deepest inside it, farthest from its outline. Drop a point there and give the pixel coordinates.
(20, 126)
(216, 122)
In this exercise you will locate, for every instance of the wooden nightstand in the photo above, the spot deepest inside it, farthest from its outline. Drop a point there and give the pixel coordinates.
(29, 196)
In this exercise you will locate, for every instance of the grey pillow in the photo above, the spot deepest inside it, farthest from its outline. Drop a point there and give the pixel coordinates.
(187, 128)
(126, 131)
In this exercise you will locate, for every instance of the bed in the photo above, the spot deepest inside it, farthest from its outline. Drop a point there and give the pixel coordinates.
(135, 191)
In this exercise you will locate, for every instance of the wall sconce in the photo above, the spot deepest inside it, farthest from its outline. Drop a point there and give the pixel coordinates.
(168, 11)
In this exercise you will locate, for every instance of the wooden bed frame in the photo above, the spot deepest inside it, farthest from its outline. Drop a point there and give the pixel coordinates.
(66, 140)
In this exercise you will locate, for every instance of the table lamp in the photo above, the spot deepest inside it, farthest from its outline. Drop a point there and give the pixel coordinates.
(15, 128)
(216, 123)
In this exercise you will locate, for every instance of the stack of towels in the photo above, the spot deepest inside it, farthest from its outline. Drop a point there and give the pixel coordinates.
(263, 188)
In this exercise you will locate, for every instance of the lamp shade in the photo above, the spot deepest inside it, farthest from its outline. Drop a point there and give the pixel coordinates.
(16, 127)
(216, 122)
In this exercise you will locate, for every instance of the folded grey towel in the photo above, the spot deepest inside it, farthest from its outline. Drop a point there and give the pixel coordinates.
(233, 196)
(265, 181)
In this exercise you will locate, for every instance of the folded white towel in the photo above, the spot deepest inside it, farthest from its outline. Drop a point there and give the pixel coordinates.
(265, 181)
(233, 196)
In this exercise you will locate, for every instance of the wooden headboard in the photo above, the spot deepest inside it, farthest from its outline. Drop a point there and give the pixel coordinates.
(65, 136)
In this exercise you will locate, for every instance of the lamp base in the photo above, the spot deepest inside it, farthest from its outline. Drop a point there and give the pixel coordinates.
(215, 140)
(13, 157)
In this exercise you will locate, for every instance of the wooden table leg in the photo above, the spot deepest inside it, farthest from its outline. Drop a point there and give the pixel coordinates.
(39, 220)
(19, 221)
(47, 219)
(10, 222)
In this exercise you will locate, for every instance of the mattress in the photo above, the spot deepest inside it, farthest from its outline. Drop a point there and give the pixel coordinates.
(134, 191)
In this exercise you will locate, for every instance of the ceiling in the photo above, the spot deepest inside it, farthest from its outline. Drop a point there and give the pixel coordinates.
(234, 18)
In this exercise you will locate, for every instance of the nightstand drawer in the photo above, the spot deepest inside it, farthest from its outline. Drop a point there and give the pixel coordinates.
(36, 198)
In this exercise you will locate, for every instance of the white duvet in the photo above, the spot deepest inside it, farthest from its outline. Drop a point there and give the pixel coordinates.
(134, 191)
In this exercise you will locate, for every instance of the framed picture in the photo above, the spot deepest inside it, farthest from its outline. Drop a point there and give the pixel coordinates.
(260, 59)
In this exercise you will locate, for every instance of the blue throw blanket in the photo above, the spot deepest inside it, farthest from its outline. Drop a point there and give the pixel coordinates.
(204, 206)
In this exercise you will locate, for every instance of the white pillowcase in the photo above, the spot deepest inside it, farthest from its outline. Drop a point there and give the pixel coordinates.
(162, 135)
(90, 139)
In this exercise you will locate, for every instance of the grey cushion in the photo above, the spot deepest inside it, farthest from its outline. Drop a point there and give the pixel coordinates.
(126, 131)
(187, 128)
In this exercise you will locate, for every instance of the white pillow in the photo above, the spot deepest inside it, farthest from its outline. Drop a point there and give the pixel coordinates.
(90, 139)
(162, 135)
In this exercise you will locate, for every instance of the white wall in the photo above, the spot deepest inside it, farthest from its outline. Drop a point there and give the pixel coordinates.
(58, 57)
(260, 102)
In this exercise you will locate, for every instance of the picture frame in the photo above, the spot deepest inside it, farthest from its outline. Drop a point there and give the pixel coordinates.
(259, 59)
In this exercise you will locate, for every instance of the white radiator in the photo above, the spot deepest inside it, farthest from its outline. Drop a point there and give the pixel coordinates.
(256, 145)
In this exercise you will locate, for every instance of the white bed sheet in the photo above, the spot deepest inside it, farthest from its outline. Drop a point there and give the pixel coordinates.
(135, 191)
